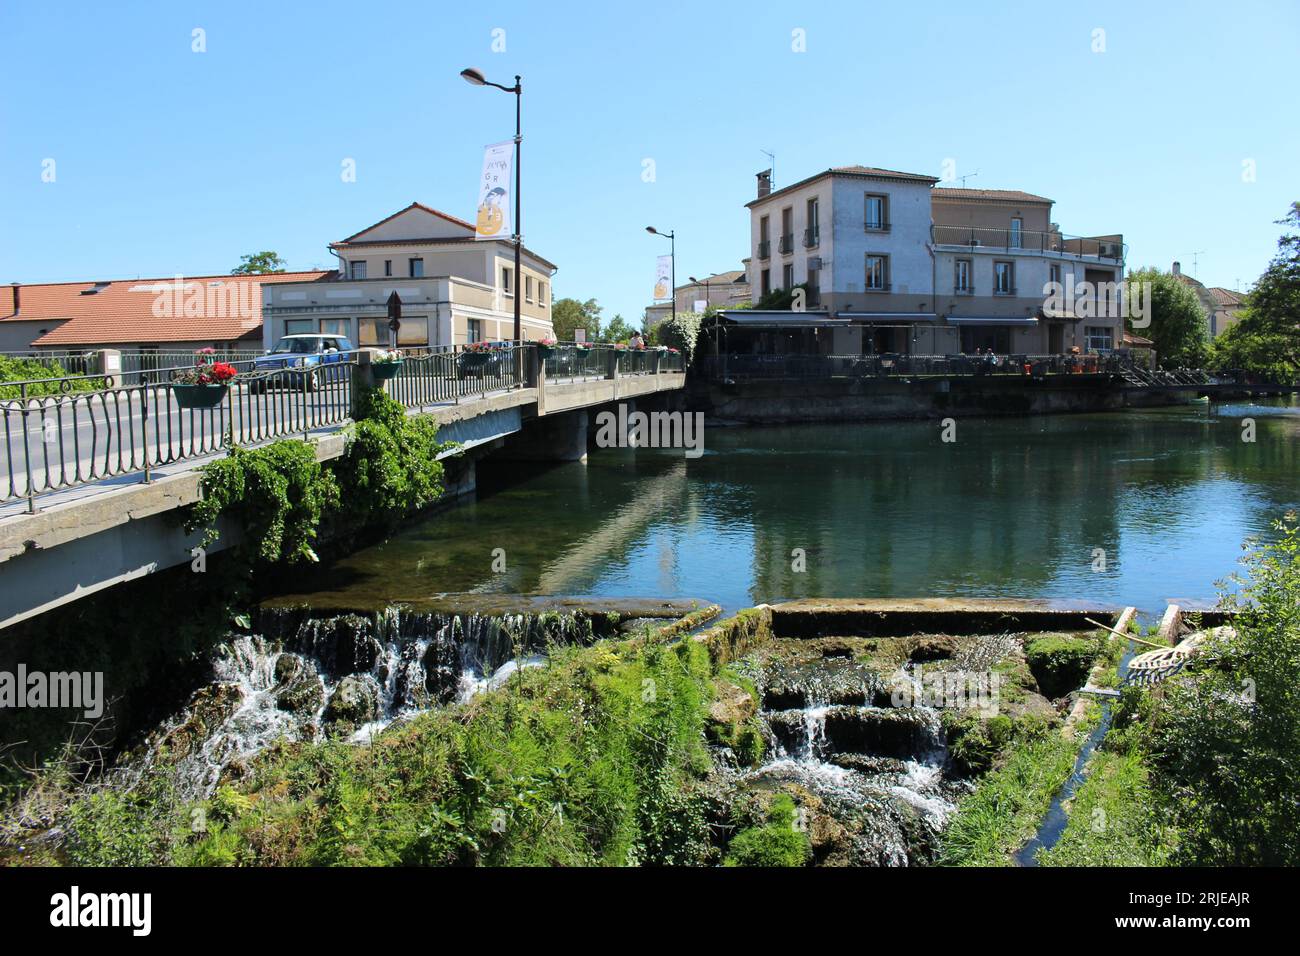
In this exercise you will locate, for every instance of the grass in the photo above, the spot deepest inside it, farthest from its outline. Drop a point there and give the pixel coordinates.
(1005, 809)
(597, 758)
(1111, 820)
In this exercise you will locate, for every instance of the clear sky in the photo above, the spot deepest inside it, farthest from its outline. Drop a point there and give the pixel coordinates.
(170, 161)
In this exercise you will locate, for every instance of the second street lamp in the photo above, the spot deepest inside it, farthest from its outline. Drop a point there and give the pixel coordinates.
(477, 78)
(672, 252)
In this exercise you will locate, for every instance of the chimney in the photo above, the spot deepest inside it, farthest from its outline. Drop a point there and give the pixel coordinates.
(1178, 269)
(17, 297)
(764, 183)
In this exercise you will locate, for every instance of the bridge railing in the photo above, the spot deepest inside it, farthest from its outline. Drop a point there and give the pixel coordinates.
(805, 367)
(70, 431)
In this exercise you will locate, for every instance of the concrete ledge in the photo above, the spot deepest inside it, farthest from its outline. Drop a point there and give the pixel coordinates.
(891, 617)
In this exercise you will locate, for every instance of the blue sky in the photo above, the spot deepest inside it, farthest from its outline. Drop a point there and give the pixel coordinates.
(172, 161)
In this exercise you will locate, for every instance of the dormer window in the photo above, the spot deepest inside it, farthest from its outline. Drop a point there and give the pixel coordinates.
(358, 269)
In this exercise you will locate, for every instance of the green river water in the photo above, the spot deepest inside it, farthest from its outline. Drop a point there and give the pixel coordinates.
(1014, 507)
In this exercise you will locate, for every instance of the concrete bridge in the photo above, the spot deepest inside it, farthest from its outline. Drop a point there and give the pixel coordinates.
(79, 537)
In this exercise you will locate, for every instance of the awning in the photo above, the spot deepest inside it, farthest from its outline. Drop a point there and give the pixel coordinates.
(860, 318)
(778, 319)
(992, 320)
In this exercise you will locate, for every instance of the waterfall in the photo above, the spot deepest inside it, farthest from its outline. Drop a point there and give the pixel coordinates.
(301, 676)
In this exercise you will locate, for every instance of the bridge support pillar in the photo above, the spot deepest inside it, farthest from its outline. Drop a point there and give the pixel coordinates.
(561, 437)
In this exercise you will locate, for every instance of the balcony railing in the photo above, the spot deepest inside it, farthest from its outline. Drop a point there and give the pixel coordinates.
(1011, 240)
(811, 237)
(786, 244)
(764, 249)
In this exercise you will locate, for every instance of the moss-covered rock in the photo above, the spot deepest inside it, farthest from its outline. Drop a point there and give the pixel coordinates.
(1059, 663)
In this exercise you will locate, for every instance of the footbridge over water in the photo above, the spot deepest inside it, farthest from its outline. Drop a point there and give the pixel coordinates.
(92, 476)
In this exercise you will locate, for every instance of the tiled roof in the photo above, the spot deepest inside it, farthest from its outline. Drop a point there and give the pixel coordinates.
(122, 311)
(986, 195)
(721, 278)
(1227, 297)
(873, 172)
(414, 205)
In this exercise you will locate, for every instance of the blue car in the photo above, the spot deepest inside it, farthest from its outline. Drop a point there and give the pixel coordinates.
(303, 357)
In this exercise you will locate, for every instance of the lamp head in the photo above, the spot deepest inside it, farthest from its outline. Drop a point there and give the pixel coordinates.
(471, 75)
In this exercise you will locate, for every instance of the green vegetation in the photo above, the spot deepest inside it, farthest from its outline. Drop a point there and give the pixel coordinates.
(1266, 339)
(778, 842)
(259, 263)
(281, 495)
(598, 757)
(1060, 664)
(1179, 326)
(1004, 811)
(14, 369)
(679, 331)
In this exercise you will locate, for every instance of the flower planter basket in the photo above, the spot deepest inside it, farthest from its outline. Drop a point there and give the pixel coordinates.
(199, 396)
(383, 371)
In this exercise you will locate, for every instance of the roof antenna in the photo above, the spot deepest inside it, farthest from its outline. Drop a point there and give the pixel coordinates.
(771, 166)
(968, 176)
(1196, 263)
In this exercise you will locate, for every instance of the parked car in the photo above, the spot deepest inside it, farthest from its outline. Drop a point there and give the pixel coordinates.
(304, 357)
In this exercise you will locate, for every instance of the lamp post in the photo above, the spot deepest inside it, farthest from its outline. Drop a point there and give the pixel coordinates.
(672, 251)
(476, 78)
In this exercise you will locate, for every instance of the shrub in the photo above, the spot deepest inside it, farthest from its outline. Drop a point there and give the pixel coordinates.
(778, 842)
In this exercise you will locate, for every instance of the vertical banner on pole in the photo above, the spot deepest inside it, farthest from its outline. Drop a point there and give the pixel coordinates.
(493, 221)
(663, 278)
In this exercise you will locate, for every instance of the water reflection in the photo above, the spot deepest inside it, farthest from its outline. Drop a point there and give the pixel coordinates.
(1017, 507)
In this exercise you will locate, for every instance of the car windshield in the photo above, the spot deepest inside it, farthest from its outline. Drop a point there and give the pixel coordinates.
(297, 347)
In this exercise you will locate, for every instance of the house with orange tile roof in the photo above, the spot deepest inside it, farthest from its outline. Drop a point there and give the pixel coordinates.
(454, 288)
(1222, 307)
(174, 313)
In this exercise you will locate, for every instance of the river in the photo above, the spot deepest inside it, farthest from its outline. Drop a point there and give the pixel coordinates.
(1137, 507)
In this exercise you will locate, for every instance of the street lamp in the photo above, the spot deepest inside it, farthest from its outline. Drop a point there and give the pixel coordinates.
(476, 78)
(672, 251)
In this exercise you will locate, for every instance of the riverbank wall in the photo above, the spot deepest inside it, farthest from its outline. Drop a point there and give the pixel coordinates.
(844, 400)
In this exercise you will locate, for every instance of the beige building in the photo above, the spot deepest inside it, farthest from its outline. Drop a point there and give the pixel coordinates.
(892, 262)
(1222, 306)
(454, 288)
(720, 290)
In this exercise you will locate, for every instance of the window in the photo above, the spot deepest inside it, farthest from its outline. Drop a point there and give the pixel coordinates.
(508, 280)
(764, 239)
(528, 288)
(299, 326)
(1099, 338)
(877, 211)
(961, 276)
(812, 234)
(334, 327)
(388, 267)
(765, 282)
(414, 331)
(473, 330)
(358, 269)
(787, 276)
(373, 332)
(541, 294)
(787, 230)
(1017, 228)
(416, 268)
(877, 273)
(1004, 278)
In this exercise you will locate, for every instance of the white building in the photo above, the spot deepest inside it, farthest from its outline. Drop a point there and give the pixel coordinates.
(454, 288)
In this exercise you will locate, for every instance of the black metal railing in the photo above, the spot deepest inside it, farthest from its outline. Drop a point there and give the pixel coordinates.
(70, 431)
(1019, 240)
(765, 249)
(804, 367)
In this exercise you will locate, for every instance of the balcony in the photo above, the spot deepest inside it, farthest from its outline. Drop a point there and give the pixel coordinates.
(764, 249)
(811, 237)
(875, 226)
(786, 244)
(1110, 248)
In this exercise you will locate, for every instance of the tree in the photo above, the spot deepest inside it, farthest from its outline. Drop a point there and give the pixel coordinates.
(618, 330)
(259, 263)
(680, 331)
(1179, 326)
(1266, 340)
(570, 314)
